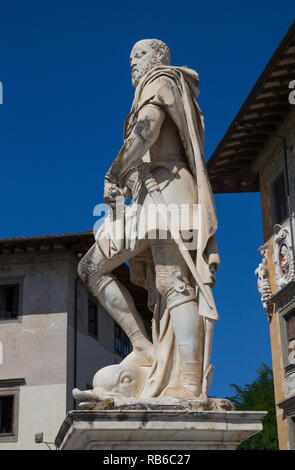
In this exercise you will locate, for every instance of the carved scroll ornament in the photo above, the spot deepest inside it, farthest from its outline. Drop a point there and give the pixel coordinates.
(263, 282)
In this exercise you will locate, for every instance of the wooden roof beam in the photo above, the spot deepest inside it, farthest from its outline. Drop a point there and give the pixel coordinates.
(285, 78)
(271, 119)
(265, 110)
(289, 56)
(274, 99)
(276, 91)
(289, 67)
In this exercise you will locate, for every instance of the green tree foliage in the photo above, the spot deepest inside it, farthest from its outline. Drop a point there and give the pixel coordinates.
(259, 396)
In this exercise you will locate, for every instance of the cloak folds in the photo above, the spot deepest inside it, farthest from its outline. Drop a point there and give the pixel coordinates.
(174, 89)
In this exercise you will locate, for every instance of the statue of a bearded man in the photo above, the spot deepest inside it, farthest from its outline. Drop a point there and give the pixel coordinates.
(160, 164)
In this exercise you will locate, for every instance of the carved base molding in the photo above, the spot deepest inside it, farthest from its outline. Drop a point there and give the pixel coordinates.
(161, 429)
(284, 296)
(288, 406)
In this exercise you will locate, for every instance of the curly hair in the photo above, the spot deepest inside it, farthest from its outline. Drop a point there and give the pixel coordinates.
(162, 48)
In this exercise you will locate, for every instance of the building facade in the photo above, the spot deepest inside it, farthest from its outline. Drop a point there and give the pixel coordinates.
(257, 153)
(54, 335)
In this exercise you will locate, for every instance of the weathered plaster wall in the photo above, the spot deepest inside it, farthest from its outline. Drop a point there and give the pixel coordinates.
(39, 345)
(41, 409)
(270, 165)
(34, 344)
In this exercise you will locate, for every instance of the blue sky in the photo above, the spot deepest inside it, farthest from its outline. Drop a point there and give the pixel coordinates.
(66, 80)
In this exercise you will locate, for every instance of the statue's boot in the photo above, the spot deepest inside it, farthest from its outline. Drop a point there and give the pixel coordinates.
(118, 302)
(189, 334)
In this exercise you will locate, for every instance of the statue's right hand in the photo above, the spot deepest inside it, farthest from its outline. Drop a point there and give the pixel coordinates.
(111, 191)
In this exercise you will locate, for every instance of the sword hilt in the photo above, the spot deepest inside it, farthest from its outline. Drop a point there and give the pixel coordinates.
(149, 181)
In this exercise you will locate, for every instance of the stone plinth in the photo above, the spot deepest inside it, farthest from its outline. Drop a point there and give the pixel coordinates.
(157, 429)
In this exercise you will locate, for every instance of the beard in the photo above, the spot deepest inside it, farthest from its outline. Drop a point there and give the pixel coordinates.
(142, 71)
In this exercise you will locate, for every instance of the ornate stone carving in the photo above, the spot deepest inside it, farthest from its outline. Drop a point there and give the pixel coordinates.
(263, 282)
(290, 384)
(283, 258)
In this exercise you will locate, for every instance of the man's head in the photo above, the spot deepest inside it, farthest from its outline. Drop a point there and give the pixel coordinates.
(145, 55)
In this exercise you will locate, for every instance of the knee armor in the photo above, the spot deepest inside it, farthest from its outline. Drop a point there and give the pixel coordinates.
(173, 285)
(90, 273)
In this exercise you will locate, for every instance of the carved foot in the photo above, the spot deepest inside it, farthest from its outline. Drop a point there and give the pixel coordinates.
(140, 358)
(180, 392)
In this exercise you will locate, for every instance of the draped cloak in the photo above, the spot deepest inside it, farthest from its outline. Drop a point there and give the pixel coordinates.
(174, 90)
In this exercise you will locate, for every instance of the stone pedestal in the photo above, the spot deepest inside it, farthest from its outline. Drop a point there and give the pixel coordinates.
(157, 429)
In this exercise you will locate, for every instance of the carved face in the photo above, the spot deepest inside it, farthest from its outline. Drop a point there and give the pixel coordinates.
(143, 57)
(284, 252)
(284, 260)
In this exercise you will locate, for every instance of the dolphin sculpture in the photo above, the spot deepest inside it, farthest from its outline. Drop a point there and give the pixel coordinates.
(119, 380)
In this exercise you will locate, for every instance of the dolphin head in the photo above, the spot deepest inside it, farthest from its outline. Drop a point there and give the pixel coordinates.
(119, 380)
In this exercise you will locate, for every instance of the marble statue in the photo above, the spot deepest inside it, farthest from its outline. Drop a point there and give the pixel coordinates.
(160, 164)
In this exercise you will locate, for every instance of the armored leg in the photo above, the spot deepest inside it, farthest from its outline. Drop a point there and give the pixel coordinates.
(94, 270)
(173, 283)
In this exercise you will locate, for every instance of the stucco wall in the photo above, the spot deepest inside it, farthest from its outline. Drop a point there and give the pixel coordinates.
(34, 344)
(41, 409)
(39, 345)
(270, 164)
